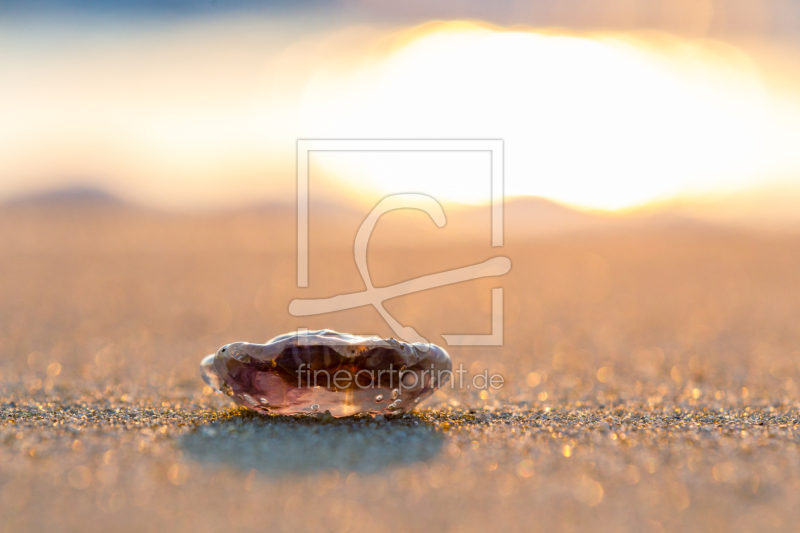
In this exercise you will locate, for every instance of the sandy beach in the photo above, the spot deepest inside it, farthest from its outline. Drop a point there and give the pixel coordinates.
(650, 370)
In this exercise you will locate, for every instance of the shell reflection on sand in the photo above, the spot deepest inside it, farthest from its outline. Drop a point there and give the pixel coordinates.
(327, 371)
(277, 447)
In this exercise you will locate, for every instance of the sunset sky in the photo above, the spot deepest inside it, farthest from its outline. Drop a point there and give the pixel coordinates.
(186, 105)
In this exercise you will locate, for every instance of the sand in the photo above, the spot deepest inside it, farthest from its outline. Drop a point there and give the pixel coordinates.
(651, 381)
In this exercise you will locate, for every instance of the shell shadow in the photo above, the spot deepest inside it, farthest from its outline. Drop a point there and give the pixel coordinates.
(285, 445)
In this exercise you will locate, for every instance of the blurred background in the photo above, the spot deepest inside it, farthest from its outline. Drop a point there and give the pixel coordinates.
(147, 217)
(610, 104)
(148, 176)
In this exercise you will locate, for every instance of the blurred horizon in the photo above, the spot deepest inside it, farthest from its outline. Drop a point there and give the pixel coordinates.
(618, 107)
(525, 216)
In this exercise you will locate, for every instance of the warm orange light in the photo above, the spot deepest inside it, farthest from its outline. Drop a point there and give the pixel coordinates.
(598, 120)
(204, 118)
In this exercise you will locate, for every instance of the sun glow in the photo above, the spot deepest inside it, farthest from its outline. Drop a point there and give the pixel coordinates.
(601, 121)
(598, 120)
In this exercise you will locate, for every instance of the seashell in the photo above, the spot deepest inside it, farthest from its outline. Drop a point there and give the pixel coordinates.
(323, 370)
